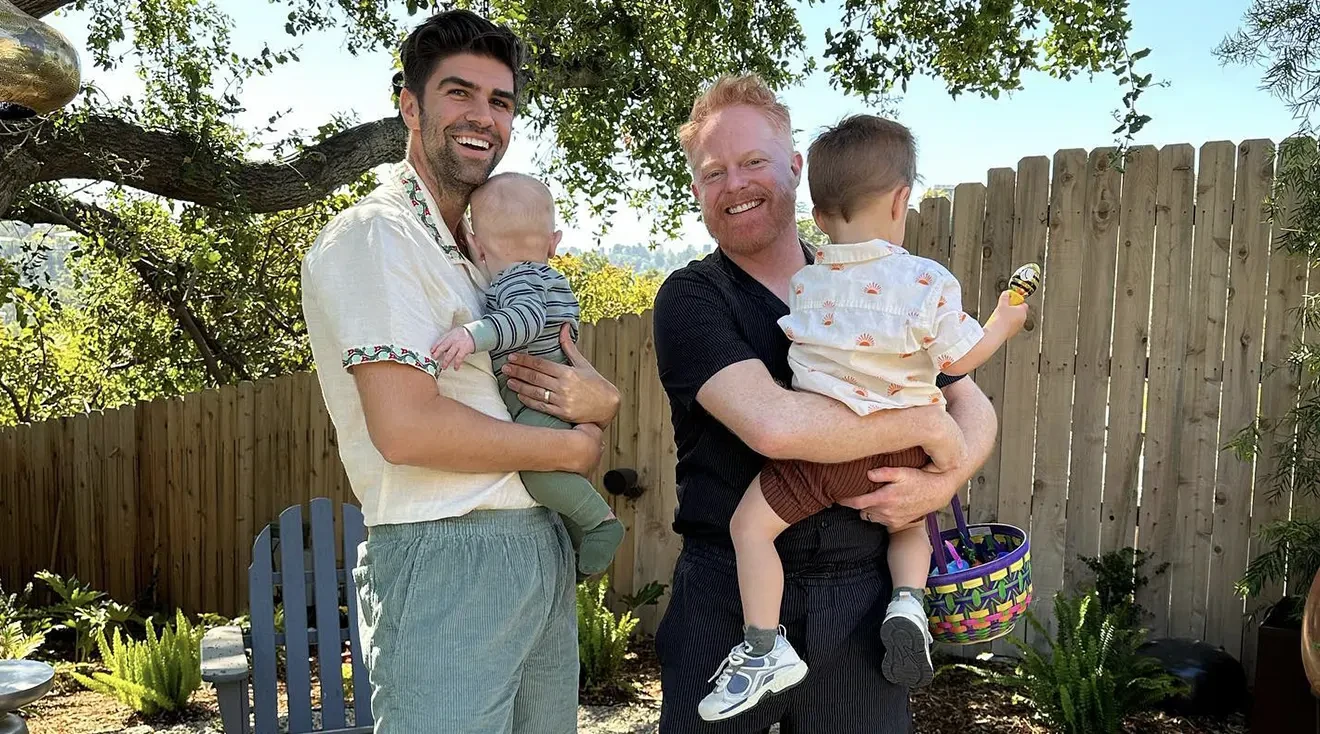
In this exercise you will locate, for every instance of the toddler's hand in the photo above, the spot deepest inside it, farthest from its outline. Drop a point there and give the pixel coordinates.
(1012, 316)
(453, 347)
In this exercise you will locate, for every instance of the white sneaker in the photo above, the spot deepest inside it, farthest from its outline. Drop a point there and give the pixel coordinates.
(744, 679)
(907, 640)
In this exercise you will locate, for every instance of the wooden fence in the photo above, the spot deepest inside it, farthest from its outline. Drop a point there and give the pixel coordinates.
(1163, 312)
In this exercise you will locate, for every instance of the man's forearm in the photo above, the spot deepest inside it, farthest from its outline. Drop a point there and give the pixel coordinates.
(437, 432)
(975, 416)
(788, 424)
(813, 427)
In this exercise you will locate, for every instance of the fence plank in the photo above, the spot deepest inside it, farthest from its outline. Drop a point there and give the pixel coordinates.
(936, 229)
(1170, 311)
(1248, 263)
(1127, 371)
(1201, 384)
(968, 230)
(1021, 367)
(245, 525)
(1061, 292)
(627, 340)
(1281, 382)
(1100, 215)
(912, 231)
(651, 525)
(996, 254)
(227, 502)
(10, 557)
(208, 489)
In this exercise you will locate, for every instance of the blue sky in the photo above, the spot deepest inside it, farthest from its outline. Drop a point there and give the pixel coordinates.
(958, 139)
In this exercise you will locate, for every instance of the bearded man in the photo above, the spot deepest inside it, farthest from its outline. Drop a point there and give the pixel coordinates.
(465, 585)
(723, 361)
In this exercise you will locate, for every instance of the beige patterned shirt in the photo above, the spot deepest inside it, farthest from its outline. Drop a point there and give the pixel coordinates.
(872, 324)
(384, 282)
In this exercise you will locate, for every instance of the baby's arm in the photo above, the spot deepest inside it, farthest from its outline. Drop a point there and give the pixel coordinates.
(1006, 321)
(519, 317)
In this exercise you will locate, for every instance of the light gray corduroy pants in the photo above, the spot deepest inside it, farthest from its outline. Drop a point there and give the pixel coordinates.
(469, 624)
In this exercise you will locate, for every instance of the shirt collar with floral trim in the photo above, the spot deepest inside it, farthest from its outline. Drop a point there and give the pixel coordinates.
(424, 208)
(856, 252)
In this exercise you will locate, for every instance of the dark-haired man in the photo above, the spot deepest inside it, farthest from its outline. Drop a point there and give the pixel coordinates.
(464, 584)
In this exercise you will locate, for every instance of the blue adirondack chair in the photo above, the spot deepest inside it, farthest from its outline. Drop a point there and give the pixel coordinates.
(225, 650)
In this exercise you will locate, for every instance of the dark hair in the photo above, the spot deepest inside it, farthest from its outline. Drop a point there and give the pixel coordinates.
(454, 32)
(862, 156)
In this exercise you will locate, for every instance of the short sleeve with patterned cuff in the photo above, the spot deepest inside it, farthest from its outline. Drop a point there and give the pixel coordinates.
(953, 332)
(370, 283)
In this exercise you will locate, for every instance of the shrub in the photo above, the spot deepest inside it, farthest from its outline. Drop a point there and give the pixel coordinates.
(153, 675)
(1118, 578)
(602, 637)
(1094, 676)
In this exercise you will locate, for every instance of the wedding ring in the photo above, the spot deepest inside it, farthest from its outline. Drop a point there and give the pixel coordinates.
(547, 396)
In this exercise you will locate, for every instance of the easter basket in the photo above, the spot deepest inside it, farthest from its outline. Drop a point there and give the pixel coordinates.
(980, 580)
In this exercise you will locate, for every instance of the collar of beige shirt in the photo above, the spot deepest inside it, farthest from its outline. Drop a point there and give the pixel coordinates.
(856, 252)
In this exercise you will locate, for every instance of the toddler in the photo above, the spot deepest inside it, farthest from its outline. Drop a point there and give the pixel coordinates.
(527, 304)
(871, 325)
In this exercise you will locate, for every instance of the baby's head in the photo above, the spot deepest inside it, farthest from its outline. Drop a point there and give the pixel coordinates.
(860, 173)
(513, 220)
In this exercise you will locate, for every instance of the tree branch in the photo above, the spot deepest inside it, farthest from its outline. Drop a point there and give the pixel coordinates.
(77, 217)
(173, 165)
(38, 8)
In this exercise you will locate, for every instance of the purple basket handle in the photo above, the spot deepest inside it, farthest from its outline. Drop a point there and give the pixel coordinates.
(936, 539)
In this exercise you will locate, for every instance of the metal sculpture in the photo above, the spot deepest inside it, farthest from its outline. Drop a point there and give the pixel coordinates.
(39, 67)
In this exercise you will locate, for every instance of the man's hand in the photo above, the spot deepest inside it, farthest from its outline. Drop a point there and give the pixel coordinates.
(908, 495)
(575, 394)
(454, 347)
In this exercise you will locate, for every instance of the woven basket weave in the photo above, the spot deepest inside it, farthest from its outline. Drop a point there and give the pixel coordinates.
(983, 602)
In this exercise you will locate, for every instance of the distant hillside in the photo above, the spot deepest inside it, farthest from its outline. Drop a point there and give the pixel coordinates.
(641, 258)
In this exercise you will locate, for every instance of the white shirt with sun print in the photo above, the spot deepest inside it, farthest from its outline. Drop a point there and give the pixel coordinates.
(872, 324)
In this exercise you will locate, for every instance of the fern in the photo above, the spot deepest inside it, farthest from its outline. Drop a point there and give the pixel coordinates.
(1095, 675)
(602, 637)
(17, 643)
(153, 675)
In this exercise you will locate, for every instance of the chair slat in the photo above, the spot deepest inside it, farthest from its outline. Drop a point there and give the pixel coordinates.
(261, 605)
(354, 533)
(327, 613)
(297, 668)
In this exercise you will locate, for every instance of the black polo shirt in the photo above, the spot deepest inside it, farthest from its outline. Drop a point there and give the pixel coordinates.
(709, 315)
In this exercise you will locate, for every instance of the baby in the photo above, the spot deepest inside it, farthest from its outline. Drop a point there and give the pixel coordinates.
(527, 304)
(871, 325)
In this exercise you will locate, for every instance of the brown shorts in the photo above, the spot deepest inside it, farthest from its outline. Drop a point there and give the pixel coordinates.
(796, 490)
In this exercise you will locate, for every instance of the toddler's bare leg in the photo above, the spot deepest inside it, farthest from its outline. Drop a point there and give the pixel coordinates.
(760, 572)
(909, 556)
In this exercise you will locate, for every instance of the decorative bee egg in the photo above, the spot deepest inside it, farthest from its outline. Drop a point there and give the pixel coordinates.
(1024, 282)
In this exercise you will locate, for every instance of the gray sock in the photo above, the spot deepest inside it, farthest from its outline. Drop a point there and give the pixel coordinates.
(918, 594)
(761, 641)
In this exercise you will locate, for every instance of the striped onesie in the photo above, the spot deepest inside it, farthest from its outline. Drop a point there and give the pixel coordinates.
(526, 306)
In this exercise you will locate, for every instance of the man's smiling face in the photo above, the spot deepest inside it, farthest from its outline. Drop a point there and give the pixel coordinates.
(745, 176)
(465, 118)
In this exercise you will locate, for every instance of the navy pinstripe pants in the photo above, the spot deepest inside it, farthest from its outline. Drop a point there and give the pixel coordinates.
(831, 616)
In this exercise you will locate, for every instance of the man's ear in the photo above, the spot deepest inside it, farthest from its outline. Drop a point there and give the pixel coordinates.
(410, 107)
(797, 168)
(554, 241)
